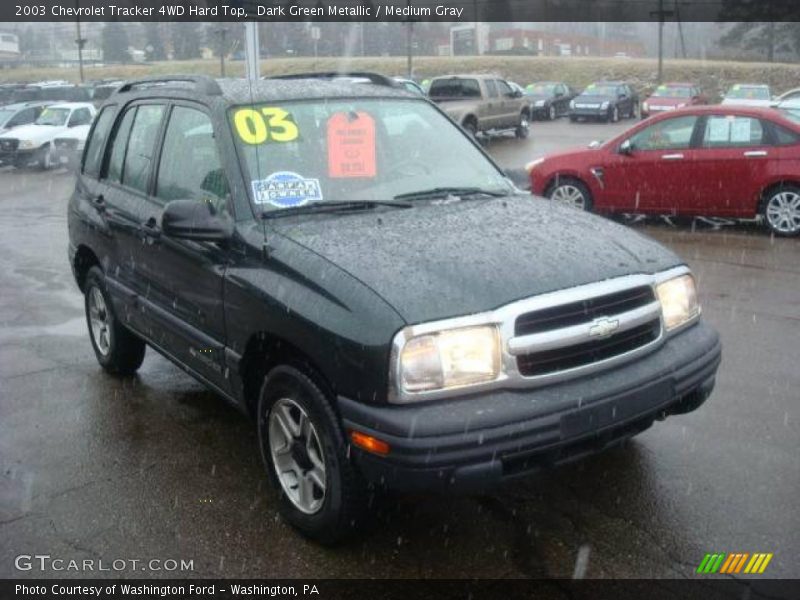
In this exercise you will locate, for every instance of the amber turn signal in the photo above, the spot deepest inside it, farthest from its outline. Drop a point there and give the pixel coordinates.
(369, 443)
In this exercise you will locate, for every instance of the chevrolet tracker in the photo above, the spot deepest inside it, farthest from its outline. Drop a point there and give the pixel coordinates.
(347, 265)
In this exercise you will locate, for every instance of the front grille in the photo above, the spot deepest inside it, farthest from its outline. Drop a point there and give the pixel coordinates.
(584, 311)
(586, 353)
(9, 145)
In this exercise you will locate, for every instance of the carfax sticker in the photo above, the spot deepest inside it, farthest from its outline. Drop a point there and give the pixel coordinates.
(286, 189)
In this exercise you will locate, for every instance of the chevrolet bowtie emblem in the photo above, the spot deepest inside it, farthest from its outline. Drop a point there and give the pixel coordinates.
(603, 327)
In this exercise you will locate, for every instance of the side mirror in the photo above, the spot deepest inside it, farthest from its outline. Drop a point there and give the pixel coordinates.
(195, 220)
(626, 148)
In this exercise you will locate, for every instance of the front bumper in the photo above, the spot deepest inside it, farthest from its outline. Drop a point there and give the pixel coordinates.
(17, 156)
(592, 113)
(480, 441)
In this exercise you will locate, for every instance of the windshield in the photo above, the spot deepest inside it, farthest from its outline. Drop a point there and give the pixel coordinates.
(600, 90)
(748, 92)
(541, 89)
(667, 91)
(53, 116)
(303, 152)
(455, 87)
(5, 115)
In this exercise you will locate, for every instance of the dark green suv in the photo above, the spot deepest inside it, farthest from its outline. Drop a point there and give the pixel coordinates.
(345, 263)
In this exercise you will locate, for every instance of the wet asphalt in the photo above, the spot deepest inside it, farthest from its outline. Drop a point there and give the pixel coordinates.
(157, 467)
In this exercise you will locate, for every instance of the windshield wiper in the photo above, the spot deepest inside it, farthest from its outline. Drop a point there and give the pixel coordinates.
(439, 192)
(332, 206)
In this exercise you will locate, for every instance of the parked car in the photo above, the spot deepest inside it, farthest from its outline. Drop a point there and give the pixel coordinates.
(746, 94)
(68, 147)
(34, 143)
(389, 308)
(724, 161)
(605, 100)
(24, 113)
(670, 96)
(549, 99)
(793, 94)
(482, 103)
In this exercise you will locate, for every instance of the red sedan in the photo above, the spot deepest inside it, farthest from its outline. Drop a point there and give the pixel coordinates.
(721, 161)
(669, 96)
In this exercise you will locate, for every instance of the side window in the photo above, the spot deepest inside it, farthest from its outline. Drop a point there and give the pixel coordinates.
(670, 134)
(785, 137)
(141, 146)
(81, 116)
(503, 88)
(190, 167)
(120, 144)
(94, 146)
(491, 88)
(730, 131)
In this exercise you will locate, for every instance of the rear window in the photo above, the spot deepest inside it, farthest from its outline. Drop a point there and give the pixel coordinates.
(455, 88)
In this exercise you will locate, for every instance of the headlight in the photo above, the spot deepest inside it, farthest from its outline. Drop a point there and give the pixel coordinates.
(26, 144)
(678, 297)
(533, 164)
(605, 105)
(539, 103)
(447, 359)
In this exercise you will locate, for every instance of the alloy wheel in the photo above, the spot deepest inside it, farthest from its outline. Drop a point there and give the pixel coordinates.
(100, 321)
(297, 455)
(783, 212)
(569, 194)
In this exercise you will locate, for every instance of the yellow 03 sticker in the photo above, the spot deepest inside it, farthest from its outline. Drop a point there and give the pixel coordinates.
(269, 123)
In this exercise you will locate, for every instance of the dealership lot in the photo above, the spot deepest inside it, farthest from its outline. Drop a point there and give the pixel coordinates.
(157, 467)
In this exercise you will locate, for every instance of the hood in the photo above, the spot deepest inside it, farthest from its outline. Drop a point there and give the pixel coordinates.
(39, 134)
(746, 102)
(436, 261)
(664, 101)
(593, 98)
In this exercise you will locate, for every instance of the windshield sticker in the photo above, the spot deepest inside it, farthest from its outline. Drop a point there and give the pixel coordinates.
(286, 189)
(740, 131)
(351, 145)
(719, 130)
(266, 124)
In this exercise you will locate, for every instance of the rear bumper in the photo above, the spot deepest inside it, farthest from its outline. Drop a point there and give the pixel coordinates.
(480, 441)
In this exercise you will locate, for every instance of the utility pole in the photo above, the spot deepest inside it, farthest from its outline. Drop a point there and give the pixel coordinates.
(661, 14)
(221, 32)
(680, 28)
(251, 50)
(409, 41)
(80, 41)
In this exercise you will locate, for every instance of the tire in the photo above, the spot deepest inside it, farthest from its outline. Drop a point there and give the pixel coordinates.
(292, 405)
(780, 210)
(613, 114)
(570, 191)
(523, 127)
(118, 350)
(44, 159)
(471, 128)
(551, 113)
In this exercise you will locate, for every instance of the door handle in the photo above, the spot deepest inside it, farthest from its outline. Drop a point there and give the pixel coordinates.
(99, 202)
(755, 153)
(150, 230)
(672, 157)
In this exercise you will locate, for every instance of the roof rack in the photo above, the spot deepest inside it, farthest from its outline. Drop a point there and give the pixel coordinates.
(375, 78)
(202, 83)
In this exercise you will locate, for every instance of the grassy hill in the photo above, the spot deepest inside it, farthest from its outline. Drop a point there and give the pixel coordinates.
(714, 76)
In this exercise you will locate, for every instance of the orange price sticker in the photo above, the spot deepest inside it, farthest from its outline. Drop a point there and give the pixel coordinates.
(351, 145)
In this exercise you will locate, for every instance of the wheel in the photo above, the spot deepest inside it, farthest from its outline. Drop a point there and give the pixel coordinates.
(551, 113)
(44, 158)
(571, 192)
(613, 114)
(305, 453)
(523, 127)
(118, 350)
(471, 128)
(781, 210)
